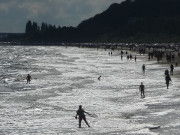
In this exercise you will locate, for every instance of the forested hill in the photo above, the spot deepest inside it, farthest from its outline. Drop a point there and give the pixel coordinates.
(137, 20)
(129, 21)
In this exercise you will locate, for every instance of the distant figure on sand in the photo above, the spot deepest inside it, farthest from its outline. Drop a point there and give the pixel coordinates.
(135, 58)
(143, 68)
(28, 78)
(141, 89)
(99, 78)
(172, 68)
(80, 113)
(167, 78)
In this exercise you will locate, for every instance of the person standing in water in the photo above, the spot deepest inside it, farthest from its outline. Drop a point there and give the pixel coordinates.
(143, 68)
(141, 88)
(172, 68)
(82, 116)
(28, 78)
(167, 78)
(166, 72)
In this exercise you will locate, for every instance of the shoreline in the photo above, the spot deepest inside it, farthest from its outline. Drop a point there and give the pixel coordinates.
(117, 91)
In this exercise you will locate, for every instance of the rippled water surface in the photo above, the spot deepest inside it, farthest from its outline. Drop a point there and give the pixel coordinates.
(64, 78)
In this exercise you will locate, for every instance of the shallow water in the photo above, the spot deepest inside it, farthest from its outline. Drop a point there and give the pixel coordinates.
(64, 78)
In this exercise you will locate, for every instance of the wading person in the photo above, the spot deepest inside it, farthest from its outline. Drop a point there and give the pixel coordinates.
(121, 57)
(141, 89)
(143, 68)
(172, 68)
(166, 72)
(80, 113)
(28, 78)
(167, 78)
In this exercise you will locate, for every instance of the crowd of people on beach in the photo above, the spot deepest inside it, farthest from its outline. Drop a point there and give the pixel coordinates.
(155, 53)
(158, 54)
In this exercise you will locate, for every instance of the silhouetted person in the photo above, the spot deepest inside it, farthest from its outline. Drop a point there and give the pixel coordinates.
(172, 68)
(135, 58)
(166, 72)
(176, 64)
(167, 78)
(99, 78)
(28, 78)
(80, 113)
(122, 52)
(130, 56)
(141, 88)
(143, 68)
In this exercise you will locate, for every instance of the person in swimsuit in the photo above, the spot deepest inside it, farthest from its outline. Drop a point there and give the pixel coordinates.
(80, 112)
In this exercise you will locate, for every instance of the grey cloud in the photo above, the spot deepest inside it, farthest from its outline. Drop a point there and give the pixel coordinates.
(55, 12)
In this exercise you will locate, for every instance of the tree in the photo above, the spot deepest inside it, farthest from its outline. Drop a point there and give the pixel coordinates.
(35, 27)
(28, 29)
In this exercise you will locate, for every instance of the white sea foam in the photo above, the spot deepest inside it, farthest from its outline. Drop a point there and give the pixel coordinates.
(62, 79)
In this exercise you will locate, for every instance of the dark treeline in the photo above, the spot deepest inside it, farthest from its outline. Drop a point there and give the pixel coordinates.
(131, 21)
(47, 32)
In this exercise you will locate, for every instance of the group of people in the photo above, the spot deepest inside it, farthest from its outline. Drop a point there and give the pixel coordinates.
(80, 113)
(167, 79)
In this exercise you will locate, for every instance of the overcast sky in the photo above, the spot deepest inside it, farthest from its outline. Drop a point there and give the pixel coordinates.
(14, 14)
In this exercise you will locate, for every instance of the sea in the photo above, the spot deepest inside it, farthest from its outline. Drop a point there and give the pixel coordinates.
(65, 77)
